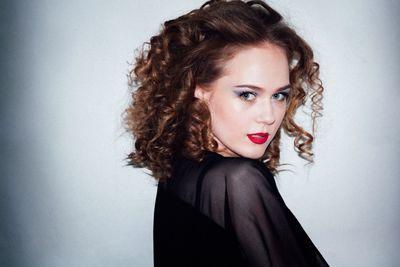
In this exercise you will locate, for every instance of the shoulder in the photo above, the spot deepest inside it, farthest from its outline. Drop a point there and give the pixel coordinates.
(238, 171)
(241, 183)
(238, 181)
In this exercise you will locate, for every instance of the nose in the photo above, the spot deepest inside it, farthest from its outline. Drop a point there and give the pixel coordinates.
(266, 114)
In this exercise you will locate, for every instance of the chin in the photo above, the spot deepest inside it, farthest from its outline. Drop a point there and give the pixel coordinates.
(255, 154)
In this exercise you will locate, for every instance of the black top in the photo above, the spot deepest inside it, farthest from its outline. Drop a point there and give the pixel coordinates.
(226, 211)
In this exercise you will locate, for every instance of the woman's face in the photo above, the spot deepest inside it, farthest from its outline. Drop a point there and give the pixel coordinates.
(248, 102)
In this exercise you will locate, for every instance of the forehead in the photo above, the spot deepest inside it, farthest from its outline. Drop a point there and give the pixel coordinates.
(263, 65)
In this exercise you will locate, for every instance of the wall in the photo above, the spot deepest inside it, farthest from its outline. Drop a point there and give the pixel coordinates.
(66, 197)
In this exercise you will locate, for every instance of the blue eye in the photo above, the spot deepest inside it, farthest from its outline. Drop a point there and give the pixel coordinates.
(247, 95)
(281, 96)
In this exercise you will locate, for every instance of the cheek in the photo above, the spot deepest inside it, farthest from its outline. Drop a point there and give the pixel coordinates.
(222, 118)
(281, 112)
(282, 116)
(226, 117)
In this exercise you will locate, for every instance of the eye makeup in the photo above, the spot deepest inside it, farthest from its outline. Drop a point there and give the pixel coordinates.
(245, 95)
(250, 92)
(282, 94)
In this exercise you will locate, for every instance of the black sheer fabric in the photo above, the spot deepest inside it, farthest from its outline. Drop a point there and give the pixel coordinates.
(227, 212)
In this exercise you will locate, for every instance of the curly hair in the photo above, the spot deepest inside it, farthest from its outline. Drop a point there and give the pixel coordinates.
(165, 118)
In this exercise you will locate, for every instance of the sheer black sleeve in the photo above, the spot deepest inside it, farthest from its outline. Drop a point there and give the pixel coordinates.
(241, 195)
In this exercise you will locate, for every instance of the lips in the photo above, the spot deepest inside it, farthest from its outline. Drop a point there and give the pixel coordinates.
(258, 138)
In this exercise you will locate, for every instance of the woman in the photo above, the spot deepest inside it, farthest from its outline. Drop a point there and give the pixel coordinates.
(214, 89)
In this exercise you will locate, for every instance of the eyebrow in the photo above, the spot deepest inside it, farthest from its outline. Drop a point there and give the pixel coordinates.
(260, 89)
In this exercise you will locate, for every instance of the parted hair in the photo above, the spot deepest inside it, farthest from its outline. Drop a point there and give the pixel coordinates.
(165, 118)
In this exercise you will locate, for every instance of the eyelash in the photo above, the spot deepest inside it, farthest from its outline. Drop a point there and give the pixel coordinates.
(285, 95)
(245, 94)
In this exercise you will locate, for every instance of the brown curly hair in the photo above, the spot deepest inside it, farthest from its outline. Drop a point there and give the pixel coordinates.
(165, 118)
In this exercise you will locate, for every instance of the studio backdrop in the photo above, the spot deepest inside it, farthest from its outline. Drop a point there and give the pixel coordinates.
(66, 196)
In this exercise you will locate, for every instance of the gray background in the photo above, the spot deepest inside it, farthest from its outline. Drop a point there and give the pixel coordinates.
(66, 198)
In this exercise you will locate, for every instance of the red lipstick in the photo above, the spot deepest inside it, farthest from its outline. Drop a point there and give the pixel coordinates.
(258, 138)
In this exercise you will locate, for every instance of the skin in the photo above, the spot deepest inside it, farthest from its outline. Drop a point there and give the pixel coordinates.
(250, 97)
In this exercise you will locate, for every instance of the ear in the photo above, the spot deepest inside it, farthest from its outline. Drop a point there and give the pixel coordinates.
(201, 93)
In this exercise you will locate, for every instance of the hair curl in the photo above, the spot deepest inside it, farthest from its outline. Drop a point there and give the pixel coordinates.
(165, 118)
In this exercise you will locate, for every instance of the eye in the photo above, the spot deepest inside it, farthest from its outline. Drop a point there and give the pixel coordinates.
(247, 95)
(281, 96)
